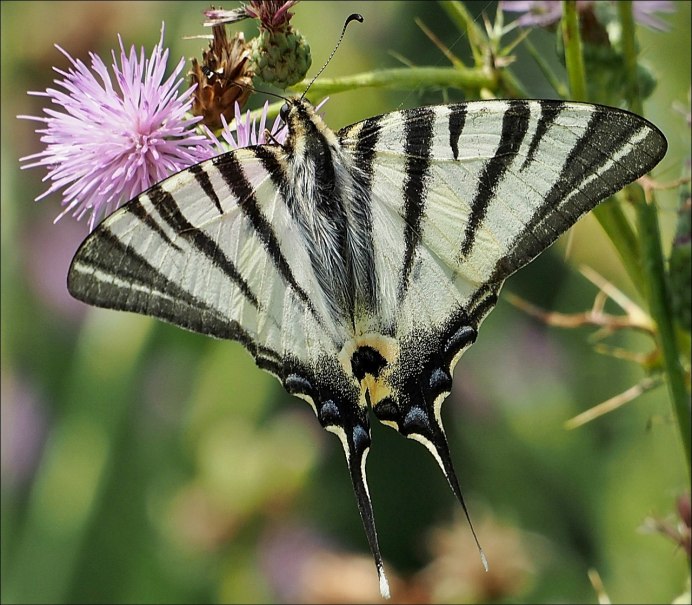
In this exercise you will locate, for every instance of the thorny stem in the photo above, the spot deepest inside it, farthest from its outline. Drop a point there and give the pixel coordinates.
(658, 292)
(614, 222)
(507, 82)
(550, 75)
(574, 59)
(642, 254)
(661, 311)
(609, 214)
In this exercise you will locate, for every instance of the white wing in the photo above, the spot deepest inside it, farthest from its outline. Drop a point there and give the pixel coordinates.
(207, 250)
(358, 268)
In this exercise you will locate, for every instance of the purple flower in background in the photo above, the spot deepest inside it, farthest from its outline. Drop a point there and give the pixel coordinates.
(543, 13)
(535, 12)
(645, 13)
(109, 141)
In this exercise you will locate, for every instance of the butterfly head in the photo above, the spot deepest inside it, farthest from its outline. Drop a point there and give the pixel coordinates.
(303, 121)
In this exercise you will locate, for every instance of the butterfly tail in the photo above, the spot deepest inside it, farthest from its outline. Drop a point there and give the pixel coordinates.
(356, 467)
(349, 422)
(422, 425)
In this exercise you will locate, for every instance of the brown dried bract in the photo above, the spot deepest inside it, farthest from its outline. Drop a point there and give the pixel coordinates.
(223, 78)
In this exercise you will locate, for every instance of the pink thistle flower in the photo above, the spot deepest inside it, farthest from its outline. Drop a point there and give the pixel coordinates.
(544, 13)
(110, 142)
(248, 132)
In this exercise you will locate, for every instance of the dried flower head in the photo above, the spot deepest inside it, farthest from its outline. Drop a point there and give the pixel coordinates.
(223, 79)
(115, 136)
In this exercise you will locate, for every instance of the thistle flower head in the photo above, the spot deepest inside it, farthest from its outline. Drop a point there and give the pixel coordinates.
(223, 78)
(248, 132)
(273, 15)
(115, 135)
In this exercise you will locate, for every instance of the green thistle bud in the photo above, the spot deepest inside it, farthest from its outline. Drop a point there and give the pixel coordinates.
(281, 58)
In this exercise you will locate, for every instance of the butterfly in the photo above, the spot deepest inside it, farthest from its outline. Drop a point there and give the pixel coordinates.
(357, 266)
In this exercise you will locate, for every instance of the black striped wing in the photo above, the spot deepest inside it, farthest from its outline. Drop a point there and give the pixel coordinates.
(209, 249)
(464, 195)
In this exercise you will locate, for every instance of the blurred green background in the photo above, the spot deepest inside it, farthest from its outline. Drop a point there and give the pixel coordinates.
(141, 463)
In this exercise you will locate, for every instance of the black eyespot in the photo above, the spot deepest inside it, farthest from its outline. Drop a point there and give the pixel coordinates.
(284, 111)
(361, 439)
(386, 409)
(440, 381)
(297, 384)
(416, 421)
(463, 337)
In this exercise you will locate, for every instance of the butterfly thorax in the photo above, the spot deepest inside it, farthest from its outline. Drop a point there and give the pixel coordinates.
(325, 191)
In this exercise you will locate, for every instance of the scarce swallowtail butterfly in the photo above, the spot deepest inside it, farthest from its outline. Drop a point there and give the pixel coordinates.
(357, 266)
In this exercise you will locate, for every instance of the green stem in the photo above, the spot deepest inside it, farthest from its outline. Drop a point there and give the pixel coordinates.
(609, 215)
(506, 83)
(661, 312)
(574, 59)
(614, 222)
(549, 74)
(458, 13)
(408, 78)
(629, 51)
(511, 86)
(658, 292)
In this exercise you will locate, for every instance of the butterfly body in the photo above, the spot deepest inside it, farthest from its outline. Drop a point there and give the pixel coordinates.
(357, 266)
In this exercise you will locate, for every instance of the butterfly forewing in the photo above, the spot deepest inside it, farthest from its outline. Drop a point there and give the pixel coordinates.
(191, 252)
(502, 179)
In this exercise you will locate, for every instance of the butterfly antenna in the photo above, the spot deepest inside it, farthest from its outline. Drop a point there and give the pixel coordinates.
(209, 73)
(353, 17)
